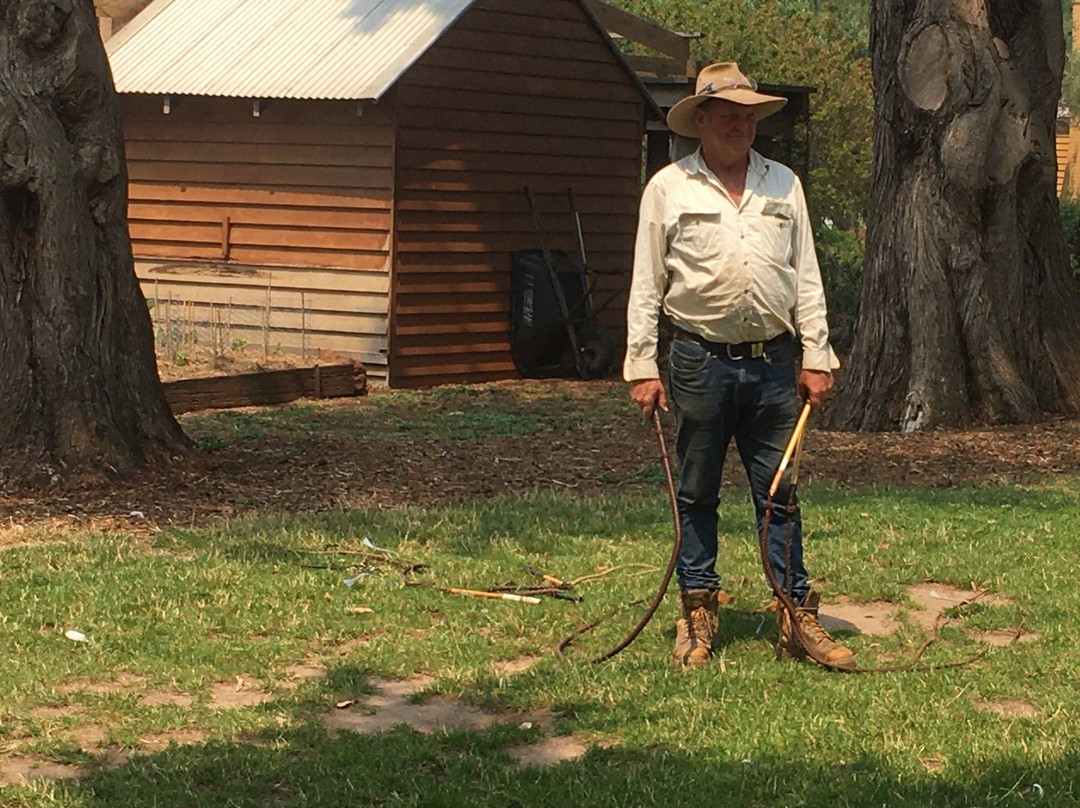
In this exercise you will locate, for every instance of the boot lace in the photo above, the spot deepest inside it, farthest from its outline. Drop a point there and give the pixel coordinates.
(812, 627)
(700, 623)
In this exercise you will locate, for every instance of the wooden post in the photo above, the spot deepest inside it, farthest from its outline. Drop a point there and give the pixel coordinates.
(303, 325)
(226, 237)
(168, 326)
(266, 320)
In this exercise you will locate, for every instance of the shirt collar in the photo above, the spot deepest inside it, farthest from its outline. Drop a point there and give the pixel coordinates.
(755, 172)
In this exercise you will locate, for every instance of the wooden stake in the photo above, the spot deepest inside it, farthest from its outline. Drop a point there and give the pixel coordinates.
(453, 590)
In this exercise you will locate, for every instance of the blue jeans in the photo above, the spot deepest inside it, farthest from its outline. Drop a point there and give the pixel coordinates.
(755, 401)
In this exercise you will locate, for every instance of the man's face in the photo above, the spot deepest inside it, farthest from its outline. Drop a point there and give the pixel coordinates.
(727, 126)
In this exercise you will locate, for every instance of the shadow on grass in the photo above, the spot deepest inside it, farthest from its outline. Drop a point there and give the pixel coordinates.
(404, 767)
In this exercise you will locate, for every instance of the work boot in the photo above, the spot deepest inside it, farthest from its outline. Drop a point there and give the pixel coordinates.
(696, 627)
(825, 647)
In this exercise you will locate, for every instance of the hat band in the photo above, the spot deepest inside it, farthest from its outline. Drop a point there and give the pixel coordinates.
(712, 89)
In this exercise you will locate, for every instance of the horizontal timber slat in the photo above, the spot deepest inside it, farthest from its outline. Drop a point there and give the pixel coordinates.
(174, 151)
(608, 75)
(579, 143)
(269, 387)
(248, 299)
(507, 243)
(198, 312)
(421, 180)
(155, 130)
(249, 236)
(352, 198)
(440, 222)
(438, 325)
(367, 348)
(261, 175)
(415, 367)
(517, 164)
(281, 216)
(567, 29)
(479, 263)
(568, 110)
(147, 250)
(553, 206)
(279, 277)
(482, 42)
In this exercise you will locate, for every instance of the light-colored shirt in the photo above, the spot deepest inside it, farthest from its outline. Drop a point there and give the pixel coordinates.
(729, 273)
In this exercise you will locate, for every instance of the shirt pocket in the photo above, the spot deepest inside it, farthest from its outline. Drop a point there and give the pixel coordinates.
(699, 234)
(775, 228)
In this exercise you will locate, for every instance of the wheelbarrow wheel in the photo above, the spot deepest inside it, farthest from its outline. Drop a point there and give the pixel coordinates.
(597, 348)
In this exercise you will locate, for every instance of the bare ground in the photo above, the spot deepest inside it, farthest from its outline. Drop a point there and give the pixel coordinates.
(576, 451)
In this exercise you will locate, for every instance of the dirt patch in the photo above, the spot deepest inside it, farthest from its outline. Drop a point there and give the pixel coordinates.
(392, 705)
(1007, 708)
(50, 713)
(999, 639)
(236, 695)
(933, 764)
(298, 674)
(880, 618)
(938, 597)
(549, 751)
(180, 737)
(90, 738)
(124, 683)
(877, 618)
(934, 599)
(22, 770)
(511, 666)
(166, 698)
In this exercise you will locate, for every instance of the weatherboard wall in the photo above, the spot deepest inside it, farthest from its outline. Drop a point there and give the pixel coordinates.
(516, 93)
(285, 216)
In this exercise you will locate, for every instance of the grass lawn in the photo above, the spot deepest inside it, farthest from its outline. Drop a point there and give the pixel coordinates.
(216, 652)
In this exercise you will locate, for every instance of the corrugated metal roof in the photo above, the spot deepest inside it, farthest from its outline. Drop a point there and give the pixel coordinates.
(331, 49)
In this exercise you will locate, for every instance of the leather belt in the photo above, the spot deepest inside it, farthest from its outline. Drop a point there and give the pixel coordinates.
(736, 350)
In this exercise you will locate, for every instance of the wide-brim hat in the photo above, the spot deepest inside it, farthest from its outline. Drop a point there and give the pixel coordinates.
(721, 80)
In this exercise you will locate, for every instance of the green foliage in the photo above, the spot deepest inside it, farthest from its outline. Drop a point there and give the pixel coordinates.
(840, 255)
(815, 43)
(1070, 221)
(1070, 84)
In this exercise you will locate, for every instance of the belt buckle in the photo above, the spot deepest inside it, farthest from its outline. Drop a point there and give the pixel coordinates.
(757, 351)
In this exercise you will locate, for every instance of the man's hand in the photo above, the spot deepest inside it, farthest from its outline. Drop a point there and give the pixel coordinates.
(647, 394)
(814, 385)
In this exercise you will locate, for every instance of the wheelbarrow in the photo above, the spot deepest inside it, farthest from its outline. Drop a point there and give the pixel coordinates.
(553, 322)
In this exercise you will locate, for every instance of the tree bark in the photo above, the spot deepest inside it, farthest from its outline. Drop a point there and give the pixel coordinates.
(968, 311)
(77, 365)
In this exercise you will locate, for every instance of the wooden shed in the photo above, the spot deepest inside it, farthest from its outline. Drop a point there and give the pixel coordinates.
(348, 175)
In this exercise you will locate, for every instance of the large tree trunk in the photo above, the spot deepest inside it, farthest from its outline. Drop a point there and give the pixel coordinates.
(78, 377)
(967, 307)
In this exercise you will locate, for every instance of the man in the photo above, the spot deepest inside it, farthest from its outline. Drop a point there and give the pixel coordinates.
(724, 247)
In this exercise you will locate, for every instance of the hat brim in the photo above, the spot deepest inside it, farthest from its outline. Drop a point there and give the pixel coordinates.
(681, 120)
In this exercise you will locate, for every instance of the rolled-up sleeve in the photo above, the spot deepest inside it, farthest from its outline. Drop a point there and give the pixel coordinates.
(646, 287)
(810, 310)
